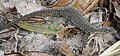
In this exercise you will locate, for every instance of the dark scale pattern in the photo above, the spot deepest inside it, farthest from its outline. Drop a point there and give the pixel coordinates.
(79, 21)
(70, 15)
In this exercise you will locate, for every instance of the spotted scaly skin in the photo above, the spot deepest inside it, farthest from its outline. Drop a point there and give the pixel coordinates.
(70, 16)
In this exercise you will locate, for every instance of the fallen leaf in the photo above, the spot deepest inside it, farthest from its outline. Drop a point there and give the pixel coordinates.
(107, 23)
(64, 48)
(1, 53)
(61, 3)
(61, 47)
(112, 50)
(40, 28)
(63, 31)
(78, 4)
(84, 6)
(117, 8)
(98, 42)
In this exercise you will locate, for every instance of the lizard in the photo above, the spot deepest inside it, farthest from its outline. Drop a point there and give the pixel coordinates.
(71, 16)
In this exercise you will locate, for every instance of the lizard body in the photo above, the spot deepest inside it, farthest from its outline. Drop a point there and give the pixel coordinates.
(71, 16)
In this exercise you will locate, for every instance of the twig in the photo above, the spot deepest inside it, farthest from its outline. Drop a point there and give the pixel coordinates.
(6, 30)
(16, 38)
(18, 53)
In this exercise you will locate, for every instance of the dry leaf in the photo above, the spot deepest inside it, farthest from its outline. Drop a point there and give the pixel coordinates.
(90, 7)
(1, 53)
(63, 48)
(60, 3)
(107, 23)
(117, 8)
(78, 4)
(98, 42)
(55, 47)
(6, 7)
(63, 30)
(84, 6)
(111, 50)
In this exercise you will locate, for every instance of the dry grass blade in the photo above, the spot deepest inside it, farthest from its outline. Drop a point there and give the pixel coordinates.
(89, 3)
(115, 52)
(110, 49)
(90, 7)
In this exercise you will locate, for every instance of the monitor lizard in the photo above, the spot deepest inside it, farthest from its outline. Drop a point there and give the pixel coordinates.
(70, 16)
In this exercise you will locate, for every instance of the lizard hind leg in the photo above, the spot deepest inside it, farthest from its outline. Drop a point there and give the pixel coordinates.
(110, 30)
(107, 29)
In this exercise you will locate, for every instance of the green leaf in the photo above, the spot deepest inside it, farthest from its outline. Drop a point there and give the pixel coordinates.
(40, 28)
